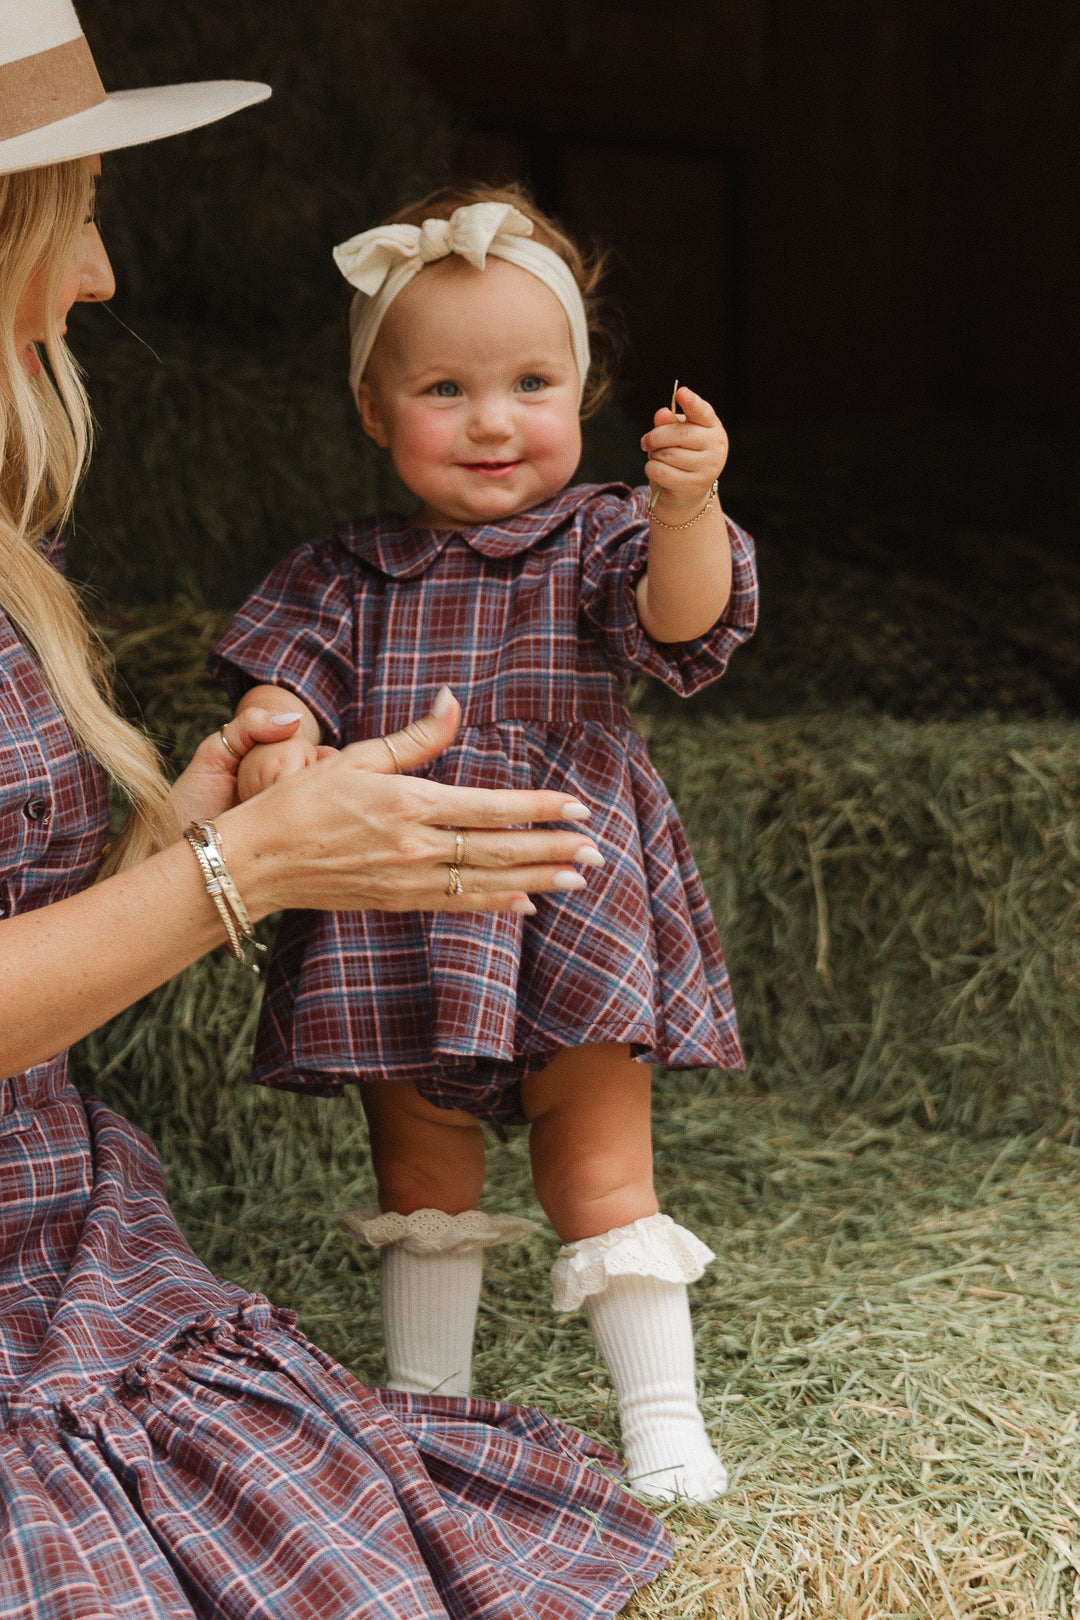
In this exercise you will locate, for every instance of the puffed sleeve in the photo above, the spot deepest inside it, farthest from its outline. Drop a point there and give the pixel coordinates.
(615, 546)
(296, 630)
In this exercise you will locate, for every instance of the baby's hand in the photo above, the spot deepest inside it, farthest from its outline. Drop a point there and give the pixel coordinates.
(686, 454)
(268, 763)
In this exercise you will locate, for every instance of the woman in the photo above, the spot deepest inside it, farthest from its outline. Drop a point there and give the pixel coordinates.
(172, 1446)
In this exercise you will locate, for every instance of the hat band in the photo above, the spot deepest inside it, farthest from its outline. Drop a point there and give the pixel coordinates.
(50, 85)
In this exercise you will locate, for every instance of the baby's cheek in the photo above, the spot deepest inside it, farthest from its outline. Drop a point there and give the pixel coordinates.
(556, 441)
(422, 441)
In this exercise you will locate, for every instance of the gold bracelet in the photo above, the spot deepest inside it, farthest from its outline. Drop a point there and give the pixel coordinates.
(216, 856)
(690, 523)
(223, 892)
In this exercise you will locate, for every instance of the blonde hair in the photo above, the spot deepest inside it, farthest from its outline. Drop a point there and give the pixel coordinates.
(587, 269)
(45, 437)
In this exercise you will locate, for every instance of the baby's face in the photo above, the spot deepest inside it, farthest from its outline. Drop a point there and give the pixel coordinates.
(473, 387)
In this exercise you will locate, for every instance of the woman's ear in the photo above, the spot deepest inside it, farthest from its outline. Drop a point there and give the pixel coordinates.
(370, 416)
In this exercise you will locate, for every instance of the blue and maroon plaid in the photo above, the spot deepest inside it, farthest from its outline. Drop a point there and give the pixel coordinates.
(533, 624)
(170, 1446)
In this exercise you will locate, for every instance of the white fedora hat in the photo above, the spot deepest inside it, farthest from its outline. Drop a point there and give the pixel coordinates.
(53, 106)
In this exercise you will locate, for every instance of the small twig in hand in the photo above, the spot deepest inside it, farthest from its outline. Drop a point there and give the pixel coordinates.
(656, 491)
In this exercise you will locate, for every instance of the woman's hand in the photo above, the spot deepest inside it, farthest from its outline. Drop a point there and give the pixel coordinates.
(207, 787)
(349, 833)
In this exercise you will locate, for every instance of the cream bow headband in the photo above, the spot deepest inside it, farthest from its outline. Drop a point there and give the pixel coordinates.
(380, 262)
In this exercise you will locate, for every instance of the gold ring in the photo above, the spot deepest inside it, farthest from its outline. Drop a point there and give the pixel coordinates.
(455, 885)
(459, 846)
(465, 852)
(235, 752)
(393, 753)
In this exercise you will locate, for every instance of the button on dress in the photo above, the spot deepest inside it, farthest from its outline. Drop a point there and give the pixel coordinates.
(532, 623)
(171, 1446)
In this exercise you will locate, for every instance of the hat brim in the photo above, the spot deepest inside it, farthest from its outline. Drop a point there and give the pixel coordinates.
(129, 118)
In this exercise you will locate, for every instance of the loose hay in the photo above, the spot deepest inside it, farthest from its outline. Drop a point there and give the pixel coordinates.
(889, 1342)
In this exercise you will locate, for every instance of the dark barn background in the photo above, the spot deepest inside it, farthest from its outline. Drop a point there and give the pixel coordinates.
(853, 223)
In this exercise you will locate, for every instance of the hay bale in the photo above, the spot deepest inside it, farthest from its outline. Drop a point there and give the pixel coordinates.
(898, 902)
(899, 906)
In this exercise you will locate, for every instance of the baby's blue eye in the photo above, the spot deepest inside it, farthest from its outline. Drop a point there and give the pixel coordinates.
(445, 390)
(531, 385)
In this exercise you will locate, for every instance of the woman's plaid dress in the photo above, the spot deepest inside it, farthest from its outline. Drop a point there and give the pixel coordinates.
(170, 1445)
(532, 623)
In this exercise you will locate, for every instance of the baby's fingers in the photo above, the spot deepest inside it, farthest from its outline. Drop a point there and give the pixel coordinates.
(696, 410)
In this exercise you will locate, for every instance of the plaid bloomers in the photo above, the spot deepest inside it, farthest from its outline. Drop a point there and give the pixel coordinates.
(170, 1446)
(533, 625)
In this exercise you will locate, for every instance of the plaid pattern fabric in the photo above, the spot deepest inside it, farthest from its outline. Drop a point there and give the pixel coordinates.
(533, 624)
(170, 1446)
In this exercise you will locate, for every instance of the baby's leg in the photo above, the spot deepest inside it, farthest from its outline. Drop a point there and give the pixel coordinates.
(429, 1164)
(424, 1157)
(628, 1265)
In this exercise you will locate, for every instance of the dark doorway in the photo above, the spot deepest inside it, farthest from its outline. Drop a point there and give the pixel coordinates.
(636, 197)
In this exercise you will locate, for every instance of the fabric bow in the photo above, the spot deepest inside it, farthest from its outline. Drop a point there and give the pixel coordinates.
(380, 262)
(368, 259)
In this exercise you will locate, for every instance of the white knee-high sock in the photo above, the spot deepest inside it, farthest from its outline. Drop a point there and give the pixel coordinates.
(642, 1326)
(429, 1306)
(431, 1269)
(632, 1282)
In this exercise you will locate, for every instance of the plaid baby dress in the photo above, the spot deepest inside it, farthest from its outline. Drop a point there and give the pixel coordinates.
(170, 1446)
(532, 622)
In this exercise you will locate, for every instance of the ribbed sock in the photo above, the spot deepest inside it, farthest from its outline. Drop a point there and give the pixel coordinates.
(429, 1306)
(642, 1326)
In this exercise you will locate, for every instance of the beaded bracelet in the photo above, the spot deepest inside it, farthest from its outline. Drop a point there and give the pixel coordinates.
(660, 524)
(218, 881)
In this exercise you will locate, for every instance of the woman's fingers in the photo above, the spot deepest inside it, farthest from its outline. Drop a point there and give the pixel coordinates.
(254, 725)
(421, 740)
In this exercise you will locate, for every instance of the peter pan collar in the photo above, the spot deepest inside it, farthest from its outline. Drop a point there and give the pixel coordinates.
(390, 543)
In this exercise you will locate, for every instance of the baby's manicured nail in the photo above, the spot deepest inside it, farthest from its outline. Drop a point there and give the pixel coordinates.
(569, 880)
(587, 856)
(574, 810)
(524, 908)
(286, 719)
(444, 700)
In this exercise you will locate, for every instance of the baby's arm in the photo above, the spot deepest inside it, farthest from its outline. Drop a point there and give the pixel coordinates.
(686, 585)
(267, 763)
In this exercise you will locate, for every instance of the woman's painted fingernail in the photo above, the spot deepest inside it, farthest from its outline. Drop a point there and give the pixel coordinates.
(569, 880)
(524, 908)
(574, 810)
(588, 856)
(444, 700)
(286, 719)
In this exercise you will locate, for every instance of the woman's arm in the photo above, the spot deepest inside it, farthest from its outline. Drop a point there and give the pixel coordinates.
(344, 835)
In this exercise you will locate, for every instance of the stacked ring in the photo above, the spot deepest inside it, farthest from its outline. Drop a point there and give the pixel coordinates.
(455, 885)
(459, 846)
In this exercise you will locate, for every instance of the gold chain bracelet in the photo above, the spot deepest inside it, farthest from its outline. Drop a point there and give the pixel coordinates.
(660, 524)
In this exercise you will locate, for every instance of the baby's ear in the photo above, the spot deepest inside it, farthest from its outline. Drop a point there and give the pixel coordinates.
(370, 416)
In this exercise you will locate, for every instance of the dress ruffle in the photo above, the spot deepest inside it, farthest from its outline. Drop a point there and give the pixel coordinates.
(239, 1473)
(432, 1231)
(655, 1246)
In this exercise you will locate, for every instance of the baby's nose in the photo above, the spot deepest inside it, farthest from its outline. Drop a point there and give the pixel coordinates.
(491, 417)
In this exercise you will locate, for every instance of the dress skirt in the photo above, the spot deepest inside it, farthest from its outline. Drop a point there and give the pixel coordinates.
(173, 1447)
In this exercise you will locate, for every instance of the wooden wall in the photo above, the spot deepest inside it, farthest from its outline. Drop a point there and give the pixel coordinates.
(815, 205)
